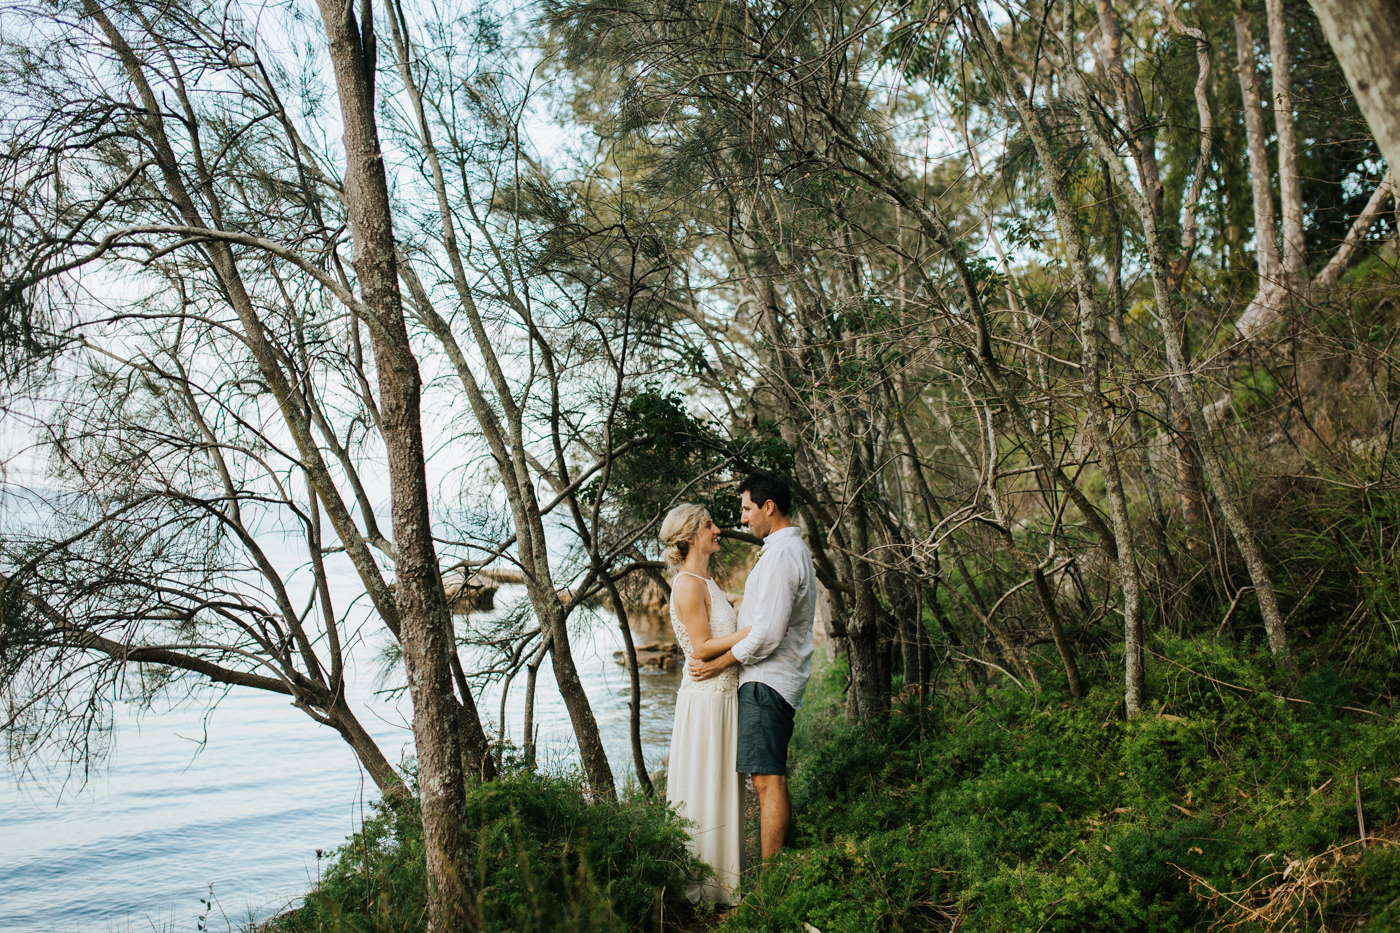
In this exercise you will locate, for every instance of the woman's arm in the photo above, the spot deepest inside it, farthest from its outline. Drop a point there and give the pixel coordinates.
(715, 647)
(689, 593)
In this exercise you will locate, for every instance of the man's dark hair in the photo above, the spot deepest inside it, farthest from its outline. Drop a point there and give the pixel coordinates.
(763, 486)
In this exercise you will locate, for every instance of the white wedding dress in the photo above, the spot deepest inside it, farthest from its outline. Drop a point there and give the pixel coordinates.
(701, 782)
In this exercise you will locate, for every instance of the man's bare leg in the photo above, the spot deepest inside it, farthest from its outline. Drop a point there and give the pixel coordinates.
(774, 811)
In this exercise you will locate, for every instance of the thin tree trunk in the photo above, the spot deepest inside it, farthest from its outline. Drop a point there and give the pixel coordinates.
(1089, 321)
(634, 676)
(1350, 247)
(1180, 373)
(424, 636)
(1057, 632)
(476, 747)
(1265, 235)
(507, 442)
(1113, 318)
(1182, 262)
(909, 644)
(1188, 479)
(863, 651)
(1290, 183)
(863, 631)
(930, 502)
(591, 751)
(380, 771)
(1140, 135)
(531, 679)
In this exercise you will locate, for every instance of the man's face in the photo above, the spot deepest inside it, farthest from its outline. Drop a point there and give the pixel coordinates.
(759, 520)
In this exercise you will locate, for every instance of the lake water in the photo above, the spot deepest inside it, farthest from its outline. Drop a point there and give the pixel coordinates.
(240, 800)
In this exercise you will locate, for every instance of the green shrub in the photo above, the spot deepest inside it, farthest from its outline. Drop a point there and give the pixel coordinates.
(547, 859)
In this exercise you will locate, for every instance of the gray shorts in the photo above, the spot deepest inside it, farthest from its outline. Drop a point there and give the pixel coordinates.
(765, 728)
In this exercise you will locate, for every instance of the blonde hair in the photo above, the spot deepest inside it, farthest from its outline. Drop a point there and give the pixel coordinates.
(680, 525)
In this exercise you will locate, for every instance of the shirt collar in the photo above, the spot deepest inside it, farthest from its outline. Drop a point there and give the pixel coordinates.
(780, 533)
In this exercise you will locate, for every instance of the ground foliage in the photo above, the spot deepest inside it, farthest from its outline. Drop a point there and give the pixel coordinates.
(1230, 806)
(548, 858)
(1227, 807)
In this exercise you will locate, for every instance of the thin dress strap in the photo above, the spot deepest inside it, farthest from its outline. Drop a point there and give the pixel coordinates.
(695, 575)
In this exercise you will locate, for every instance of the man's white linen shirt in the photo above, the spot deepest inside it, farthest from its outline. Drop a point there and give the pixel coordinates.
(780, 602)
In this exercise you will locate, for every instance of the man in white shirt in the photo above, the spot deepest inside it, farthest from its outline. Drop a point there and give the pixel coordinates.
(780, 600)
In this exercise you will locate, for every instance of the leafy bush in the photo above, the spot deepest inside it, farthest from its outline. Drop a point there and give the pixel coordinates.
(547, 859)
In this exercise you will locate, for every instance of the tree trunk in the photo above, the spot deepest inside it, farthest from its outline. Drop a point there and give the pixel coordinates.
(531, 679)
(1188, 478)
(1182, 261)
(1265, 235)
(385, 778)
(508, 449)
(1140, 136)
(424, 636)
(863, 631)
(476, 747)
(634, 677)
(1289, 182)
(1090, 318)
(1057, 632)
(590, 744)
(426, 632)
(1364, 34)
(910, 646)
(1167, 325)
(863, 649)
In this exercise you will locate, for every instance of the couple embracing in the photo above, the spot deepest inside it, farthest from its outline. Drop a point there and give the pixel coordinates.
(744, 679)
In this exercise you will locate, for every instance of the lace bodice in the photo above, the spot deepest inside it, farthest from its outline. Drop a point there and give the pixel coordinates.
(723, 621)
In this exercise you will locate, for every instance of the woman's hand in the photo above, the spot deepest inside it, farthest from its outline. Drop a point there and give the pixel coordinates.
(704, 670)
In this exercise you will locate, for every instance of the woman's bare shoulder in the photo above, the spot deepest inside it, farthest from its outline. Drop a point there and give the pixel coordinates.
(687, 587)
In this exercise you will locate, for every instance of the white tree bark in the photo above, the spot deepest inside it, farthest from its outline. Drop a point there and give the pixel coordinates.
(1265, 233)
(1364, 35)
(1176, 358)
(1346, 252)
(1290, 184)
(1268, 302)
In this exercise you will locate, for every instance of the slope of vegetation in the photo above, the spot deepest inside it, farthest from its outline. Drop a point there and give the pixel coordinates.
(1232, 805)
(1227, 807)
(548, 858)
(1251, 794)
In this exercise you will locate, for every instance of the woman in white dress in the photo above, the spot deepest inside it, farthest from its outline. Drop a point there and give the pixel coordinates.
(701, 782)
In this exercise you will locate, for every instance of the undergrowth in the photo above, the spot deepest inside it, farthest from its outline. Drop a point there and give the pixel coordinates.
(1231, 805)
(547, 859)
(1226, 807)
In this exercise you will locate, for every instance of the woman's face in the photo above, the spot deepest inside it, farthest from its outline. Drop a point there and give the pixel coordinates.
(706, 540)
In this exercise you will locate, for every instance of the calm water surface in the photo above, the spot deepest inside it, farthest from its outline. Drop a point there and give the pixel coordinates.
(240, 800)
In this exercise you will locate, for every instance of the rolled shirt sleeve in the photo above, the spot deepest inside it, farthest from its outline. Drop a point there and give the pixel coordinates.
(768, 600)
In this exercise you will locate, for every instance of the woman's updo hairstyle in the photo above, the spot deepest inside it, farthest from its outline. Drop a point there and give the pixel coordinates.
(679, 526)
